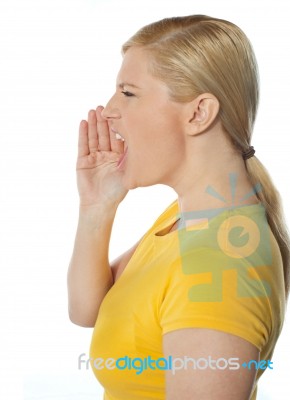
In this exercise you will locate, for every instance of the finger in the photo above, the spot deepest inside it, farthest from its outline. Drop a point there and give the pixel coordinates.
(83, 144)
(92, 131)
(117, 145)
(103, 131)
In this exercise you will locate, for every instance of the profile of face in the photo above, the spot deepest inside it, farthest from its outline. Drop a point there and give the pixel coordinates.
(149, 121)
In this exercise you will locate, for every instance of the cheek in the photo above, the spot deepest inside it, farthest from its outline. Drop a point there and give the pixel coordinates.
(161, 151)
(154, 136)
(170, 137)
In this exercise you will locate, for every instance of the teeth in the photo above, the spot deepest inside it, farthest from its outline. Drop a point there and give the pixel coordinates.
(119, 137)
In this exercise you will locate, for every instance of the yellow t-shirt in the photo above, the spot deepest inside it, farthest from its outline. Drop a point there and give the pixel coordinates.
(223, 273)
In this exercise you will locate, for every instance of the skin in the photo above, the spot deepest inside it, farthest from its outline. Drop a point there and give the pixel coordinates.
(181, 145)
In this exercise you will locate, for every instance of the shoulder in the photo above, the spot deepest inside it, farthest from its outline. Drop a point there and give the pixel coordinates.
(226, 277)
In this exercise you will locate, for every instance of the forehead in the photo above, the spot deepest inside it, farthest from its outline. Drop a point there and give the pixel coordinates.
(135, 72)
(135, 67)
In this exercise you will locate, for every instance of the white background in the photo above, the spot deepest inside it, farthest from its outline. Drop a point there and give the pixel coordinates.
(58, 59)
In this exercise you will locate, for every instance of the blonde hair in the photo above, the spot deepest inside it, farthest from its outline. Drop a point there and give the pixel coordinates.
(200, 54)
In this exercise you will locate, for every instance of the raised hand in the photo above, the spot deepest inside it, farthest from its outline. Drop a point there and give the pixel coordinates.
(98, 179)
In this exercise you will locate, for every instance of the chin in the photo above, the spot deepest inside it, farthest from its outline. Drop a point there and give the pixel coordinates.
(131, 183)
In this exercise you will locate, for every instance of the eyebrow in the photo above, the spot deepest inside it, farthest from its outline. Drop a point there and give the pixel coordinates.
(123, 84)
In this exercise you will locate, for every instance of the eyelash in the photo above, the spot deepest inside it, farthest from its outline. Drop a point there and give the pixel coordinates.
(127, 94)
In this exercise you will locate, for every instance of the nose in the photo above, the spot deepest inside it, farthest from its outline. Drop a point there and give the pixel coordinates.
(111, 111)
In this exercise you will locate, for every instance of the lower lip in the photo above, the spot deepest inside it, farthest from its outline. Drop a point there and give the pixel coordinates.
(122, 159)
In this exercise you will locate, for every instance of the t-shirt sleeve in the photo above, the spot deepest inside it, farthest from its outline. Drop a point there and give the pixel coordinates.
(206, 290)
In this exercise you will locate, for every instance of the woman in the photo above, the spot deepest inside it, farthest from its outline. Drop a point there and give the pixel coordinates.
(194, 309)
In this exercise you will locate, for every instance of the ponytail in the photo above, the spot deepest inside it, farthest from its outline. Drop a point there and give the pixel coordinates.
(270, 198)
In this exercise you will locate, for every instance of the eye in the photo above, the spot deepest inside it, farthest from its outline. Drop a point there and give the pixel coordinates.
(127, 94)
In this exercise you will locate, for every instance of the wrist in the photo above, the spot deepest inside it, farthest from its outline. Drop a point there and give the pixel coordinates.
(98, 208)
(97, 215)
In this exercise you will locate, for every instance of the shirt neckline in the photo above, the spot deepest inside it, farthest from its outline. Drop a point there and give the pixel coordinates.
(170, 221)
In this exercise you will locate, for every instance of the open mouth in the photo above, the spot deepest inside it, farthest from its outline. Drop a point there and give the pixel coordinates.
(118, 136)
(123, 156)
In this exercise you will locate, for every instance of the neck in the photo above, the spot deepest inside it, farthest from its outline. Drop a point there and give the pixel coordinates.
(212, 176)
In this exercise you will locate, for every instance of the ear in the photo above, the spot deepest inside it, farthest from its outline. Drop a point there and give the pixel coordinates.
(202, 112)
